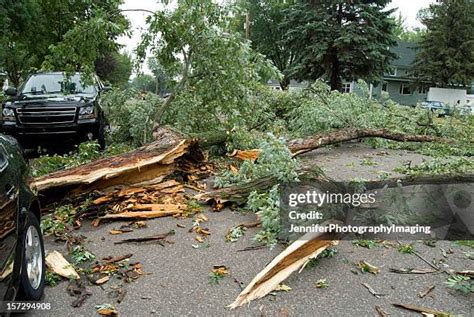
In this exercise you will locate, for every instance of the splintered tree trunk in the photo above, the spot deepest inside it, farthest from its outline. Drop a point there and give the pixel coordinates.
(147, 165)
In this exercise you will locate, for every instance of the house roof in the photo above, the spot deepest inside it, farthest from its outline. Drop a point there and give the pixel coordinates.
(406, 53)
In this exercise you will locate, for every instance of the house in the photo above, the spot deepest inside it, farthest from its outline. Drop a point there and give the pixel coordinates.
(398, 83)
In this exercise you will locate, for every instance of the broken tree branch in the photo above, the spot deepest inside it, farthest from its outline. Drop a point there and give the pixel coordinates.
(147, 165)
(291, 259)
(300, 146)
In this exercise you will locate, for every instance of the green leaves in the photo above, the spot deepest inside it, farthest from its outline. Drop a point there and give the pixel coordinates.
(60, 35)
(446, 57)
(274, 160)
(217, 70)
(131, 116)
(339, 40)
(88, 40)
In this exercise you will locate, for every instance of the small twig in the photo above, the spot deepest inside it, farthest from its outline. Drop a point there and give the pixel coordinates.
(380, 311)
(372, 291)
(422, 258)
(251, 248)
(426, 292)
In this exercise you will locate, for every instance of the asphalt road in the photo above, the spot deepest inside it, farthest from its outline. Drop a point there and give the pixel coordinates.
(178, 283)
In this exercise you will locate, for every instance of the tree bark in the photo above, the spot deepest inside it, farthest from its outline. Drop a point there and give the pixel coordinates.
(147, 165)
(304, 145)
(300, 146)
(238, 194)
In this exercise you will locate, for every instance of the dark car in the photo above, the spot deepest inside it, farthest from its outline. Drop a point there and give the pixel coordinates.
(54, 109)
(22, 265)
(438, 106)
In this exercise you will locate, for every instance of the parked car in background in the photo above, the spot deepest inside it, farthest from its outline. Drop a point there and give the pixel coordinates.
(437, 106)
(52, 109)
(468, 110)
(22, 265)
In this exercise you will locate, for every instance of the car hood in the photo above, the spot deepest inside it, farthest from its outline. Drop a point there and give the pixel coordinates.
(51, 100)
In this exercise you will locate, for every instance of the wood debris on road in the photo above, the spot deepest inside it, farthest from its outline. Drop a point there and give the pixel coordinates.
(291, 259)
(59, 265)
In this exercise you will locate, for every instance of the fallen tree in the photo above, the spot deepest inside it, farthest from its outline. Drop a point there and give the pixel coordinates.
(153, 162)
(148, 165)
(238, 194)
(300, 146)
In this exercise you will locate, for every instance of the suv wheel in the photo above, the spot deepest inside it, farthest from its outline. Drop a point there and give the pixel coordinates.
(32, 279)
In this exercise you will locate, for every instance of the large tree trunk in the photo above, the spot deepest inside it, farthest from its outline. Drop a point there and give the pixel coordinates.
(300, 146)
(238, 194)
(156, 161)
(147, 165)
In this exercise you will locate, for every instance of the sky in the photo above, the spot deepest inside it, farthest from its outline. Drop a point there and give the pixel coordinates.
(408, 9)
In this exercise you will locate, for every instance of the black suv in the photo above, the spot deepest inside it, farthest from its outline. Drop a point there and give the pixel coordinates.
(22, 265)
(51, 108)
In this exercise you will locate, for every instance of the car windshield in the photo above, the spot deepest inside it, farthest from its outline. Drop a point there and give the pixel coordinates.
(43, 84)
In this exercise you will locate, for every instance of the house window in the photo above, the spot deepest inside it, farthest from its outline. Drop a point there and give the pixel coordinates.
(392, 72)
(405, 89)
(423, 89)
(347, 87)
(385, 86)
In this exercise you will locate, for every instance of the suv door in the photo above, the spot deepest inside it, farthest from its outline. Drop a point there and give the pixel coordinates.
(8, 219)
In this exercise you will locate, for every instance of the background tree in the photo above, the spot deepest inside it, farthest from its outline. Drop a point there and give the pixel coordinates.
(144, 82)
(340, 40)
(115, 68)
(446, 56)
(403, 33)
(19, 39)
(267, 34)
(57, 34)
(217, 70)
(91, 38)
(161, 78)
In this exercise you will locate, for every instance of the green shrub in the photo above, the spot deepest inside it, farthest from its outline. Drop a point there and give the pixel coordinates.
(130, 116)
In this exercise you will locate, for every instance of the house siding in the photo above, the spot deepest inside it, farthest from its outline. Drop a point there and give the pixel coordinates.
(393, 90)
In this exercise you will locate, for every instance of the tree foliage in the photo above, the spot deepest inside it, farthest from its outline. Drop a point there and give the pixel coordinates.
(115, 68)
(144, 82)
(403, 33)
(216, 67)
(21, 47)
(267, 34)
(55, 34)
(90, 39)
(130, 115)
(162, 81)
(340, 40)
(446, 56)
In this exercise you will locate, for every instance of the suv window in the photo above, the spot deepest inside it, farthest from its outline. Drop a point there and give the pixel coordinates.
(40, 84)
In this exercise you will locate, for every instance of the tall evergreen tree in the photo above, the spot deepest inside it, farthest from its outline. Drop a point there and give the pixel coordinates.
(446, 56)
(340, 39)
